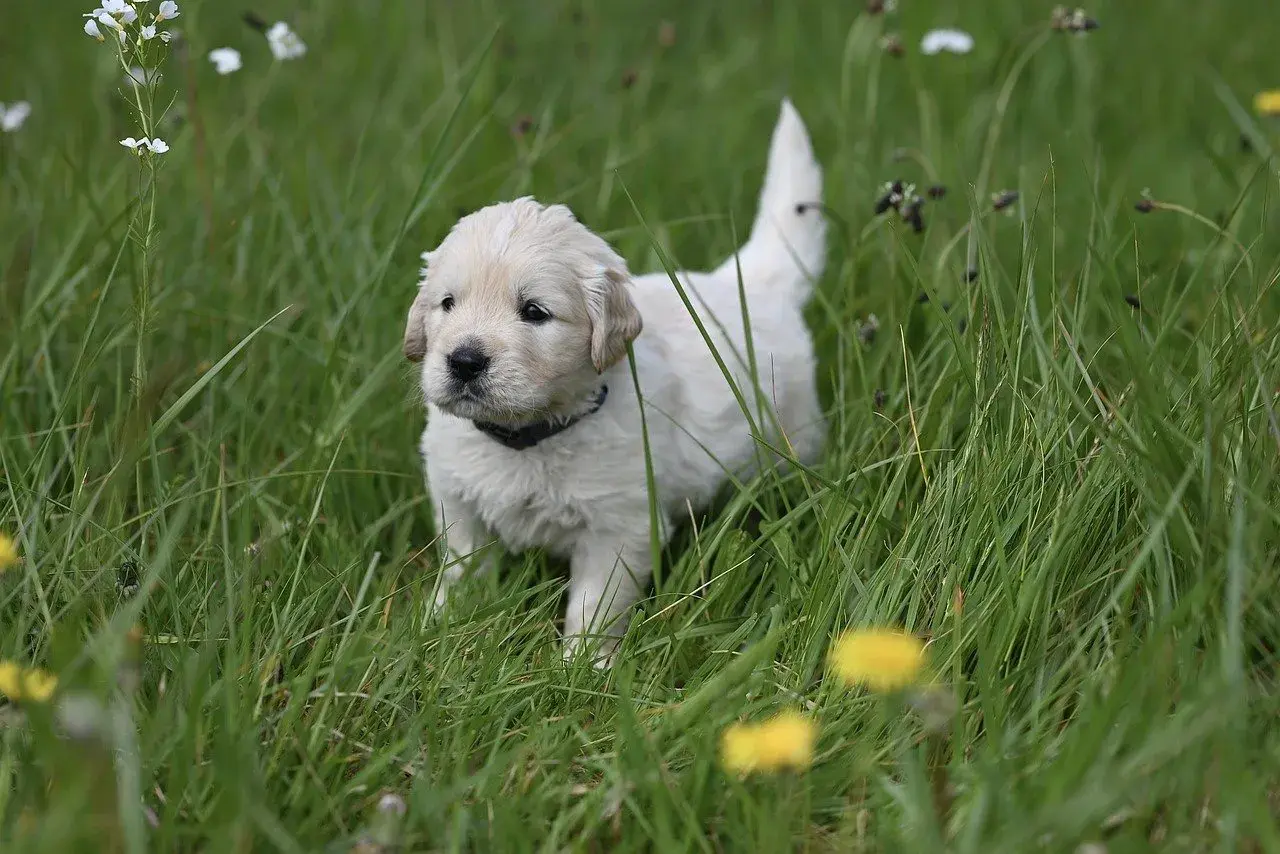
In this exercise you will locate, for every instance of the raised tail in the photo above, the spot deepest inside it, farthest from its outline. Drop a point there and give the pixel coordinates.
(788, 243)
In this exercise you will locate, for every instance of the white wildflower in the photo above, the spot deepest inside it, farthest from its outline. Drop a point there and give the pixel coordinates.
(226, 60)
(952, 41)
(148, 32)
(120, 10)
(168, 11)
(113, 25)
(136, 76)
(284, 42)
(141, 146)
(13, 116)
(91, 29)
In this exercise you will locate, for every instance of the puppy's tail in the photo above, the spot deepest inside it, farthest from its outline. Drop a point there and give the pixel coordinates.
(788, 243)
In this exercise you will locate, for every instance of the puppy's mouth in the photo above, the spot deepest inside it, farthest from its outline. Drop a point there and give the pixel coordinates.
(472, 400)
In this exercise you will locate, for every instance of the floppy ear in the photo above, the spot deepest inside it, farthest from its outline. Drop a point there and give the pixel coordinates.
(615, 320)
(415, 329)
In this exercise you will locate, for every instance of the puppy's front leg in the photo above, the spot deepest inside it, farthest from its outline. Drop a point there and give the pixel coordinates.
(608, 573)
(463, 535)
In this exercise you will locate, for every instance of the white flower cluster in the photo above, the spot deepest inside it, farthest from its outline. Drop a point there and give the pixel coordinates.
(281, 38)
(284, 42)
(12, 116)
(142, 146)
(948, 40)
(122, 19)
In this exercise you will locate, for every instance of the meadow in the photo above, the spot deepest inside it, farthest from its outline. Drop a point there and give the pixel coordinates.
(1053, 449)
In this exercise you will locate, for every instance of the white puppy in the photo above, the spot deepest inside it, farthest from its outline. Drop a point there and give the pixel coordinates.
(522, 323)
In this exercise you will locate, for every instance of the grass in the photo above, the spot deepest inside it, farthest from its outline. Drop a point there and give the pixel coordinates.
(1075, 501)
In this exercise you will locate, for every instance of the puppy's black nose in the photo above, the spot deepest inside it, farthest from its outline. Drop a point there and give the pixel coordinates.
(467, 362)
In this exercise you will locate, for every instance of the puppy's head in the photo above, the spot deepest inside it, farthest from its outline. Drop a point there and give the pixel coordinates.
(519, 310)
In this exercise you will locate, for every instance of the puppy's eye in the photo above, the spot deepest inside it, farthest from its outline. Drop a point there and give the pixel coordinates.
(531, 312)
(447, 304)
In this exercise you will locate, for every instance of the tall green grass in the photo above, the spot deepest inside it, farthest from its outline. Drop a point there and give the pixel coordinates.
(1073, 499)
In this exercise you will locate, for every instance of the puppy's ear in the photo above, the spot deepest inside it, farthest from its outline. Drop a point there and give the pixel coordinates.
(615, 320)
(415, 328)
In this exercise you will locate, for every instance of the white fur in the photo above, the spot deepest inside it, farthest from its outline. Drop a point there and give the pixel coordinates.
(582, 493)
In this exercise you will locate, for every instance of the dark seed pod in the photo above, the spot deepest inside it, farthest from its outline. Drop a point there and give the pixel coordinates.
(1144, 206)
(971, 275)
(1133, 301)
(884, 203)
(629, 78)
(937, 191)
(892, 45)
(875, 7)
(879, 399)
(254, 21)
(522, 126)
(1003, 199)
(911, 214)
(922, 299)
(867, 331)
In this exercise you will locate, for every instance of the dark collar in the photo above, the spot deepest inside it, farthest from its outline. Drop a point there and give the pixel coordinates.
(523, 438)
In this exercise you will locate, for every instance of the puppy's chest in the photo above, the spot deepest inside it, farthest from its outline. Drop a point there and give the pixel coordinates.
(529, 501)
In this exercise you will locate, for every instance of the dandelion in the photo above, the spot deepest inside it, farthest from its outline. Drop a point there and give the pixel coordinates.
(13, 117)
(8, 551)
(284, 42)
(952, 41)
(168, 11)
(784, 741)
(1267, 103)
(19, 683)
(226, 60)
(881, 659)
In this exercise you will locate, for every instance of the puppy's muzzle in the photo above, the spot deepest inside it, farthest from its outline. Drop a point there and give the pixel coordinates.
(467, 363)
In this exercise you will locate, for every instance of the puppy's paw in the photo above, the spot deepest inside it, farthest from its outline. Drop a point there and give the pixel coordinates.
(444, 589)
(602, 652)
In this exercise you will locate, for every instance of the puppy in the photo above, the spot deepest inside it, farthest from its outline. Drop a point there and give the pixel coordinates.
(534, 436)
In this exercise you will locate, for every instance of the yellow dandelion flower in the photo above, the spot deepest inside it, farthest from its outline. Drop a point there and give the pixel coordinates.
(784, 741)
(881, 659)
(19, 683)
(8, 552)
(1267, 103)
